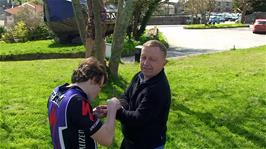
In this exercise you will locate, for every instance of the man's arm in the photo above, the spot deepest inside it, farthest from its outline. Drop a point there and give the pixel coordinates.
(124, 99)
(105, 134)
(101, 133)
(146, 110)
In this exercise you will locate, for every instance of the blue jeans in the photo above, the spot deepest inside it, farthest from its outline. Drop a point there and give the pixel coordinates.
(160, 147)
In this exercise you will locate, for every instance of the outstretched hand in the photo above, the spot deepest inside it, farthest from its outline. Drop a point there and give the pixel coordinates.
(113, 104)
(100, 111)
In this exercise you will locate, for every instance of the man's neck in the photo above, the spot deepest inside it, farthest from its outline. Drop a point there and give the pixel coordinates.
(83, 86)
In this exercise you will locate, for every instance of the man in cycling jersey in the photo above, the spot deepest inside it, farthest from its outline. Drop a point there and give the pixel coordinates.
(73, 124)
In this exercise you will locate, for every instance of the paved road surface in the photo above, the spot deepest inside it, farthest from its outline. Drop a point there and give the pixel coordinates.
(197, 41)
(211, 39)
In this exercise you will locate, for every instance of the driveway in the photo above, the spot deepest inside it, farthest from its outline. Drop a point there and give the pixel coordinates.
(185, 42)
(195, 41)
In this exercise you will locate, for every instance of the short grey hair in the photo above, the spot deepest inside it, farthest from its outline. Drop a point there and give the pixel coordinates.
(156, 43)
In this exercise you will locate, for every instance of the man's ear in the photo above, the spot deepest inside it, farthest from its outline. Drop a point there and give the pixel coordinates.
(90, 81)
(165, 61)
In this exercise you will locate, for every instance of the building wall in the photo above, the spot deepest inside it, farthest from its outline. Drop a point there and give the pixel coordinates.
(9, 19)
(167, 20)
(223, 6)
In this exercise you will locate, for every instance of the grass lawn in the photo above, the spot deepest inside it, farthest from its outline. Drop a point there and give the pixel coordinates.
(218, 100)
(37, 47)
(216, 26)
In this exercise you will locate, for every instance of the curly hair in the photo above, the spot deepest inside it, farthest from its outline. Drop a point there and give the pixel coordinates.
(90, 68)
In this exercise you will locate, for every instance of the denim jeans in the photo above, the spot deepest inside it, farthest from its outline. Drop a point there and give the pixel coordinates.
(160, 147)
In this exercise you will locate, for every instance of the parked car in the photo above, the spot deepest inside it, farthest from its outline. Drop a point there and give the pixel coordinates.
(213, 20)
(259, 26)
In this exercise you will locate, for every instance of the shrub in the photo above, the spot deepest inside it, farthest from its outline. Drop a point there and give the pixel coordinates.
(144, 38)
(130, 44)
(41, 32)
(18, 33)
(2, 31)
(129, 47)
(8, 37)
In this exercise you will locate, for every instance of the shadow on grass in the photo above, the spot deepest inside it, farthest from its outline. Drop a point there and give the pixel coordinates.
(212, 122)
(183, 51)
(116, 86)
(58, 45)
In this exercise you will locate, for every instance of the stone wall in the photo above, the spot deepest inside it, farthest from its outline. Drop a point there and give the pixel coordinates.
(167, 20)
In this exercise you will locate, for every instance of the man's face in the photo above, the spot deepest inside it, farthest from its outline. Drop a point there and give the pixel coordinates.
(152, 61)
(96, 88)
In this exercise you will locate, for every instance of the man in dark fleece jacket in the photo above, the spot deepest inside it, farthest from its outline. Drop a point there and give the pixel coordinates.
(146, 102)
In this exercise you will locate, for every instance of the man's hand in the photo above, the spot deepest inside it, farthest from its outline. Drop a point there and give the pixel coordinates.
(100, 111)
(113, 104)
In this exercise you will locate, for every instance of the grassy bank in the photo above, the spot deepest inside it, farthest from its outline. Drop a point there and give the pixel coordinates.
(37, 47)
(215, 26)
(218, 100)
(48, 49)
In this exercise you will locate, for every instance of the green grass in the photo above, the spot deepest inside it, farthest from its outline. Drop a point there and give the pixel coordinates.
(218, 100)
(216, 26)
(37, 47)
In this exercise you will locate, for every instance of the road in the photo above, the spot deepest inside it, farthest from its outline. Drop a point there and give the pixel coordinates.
(196, 41)
(211, 39)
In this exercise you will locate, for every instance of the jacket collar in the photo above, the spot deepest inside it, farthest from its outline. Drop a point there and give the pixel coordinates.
(152, 80)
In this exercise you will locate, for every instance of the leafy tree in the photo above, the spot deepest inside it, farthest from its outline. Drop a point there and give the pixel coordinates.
(258, 5)
(242, 6)
(92, 31)
(141, 15)
(17, 33)
(31, 19)
(196, 7)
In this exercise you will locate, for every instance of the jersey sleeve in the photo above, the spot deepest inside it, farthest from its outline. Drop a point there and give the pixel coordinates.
(81, 116)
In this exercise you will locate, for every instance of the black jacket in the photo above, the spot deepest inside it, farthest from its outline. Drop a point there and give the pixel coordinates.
(145, 112)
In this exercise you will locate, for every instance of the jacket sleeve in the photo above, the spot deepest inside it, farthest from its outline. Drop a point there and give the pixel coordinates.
(146, 111)
(125, 97)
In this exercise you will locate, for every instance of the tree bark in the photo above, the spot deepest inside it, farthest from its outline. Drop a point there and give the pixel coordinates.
(99, 46)
(145, 20)
(122, 22)
(81, 25)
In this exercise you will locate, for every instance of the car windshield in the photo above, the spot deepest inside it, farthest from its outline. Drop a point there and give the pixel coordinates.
(261, 22)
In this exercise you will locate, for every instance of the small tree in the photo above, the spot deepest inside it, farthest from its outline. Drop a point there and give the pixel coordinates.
(196, 7)
(17, 33)
(242, 6)
(92, 31)
(142, 13)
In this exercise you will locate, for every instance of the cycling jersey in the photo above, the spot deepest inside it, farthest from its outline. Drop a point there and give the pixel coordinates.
(71, 119)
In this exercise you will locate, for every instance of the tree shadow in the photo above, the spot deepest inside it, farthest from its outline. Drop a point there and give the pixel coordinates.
(180, 51)
(213, 122)
(59, 45)
(118, 86)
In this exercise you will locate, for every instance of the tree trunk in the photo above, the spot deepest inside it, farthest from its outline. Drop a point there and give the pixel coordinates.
(80, 24)
(136, 22)
(146, 18)
(243, 13)
(122, 21)
(99, 46)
